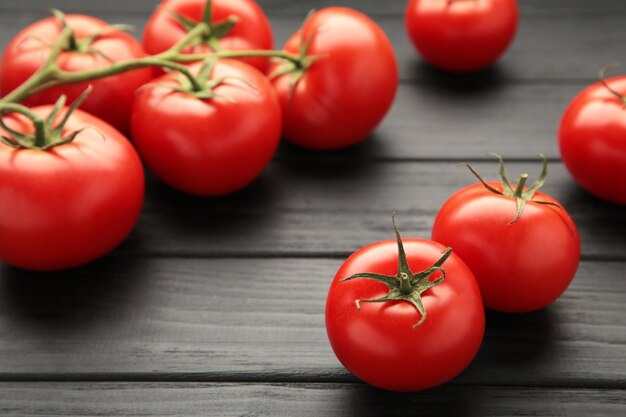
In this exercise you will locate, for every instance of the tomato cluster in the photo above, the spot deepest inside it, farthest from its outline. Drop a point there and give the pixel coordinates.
(401, 314)
(406, 315)
(209, 127)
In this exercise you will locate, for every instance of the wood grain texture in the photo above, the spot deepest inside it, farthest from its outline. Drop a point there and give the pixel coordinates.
(296, 400)
(452, 117)
(391, 7)
(509, 107)
(216, 306)
(260, 320)
(333, 206)
(551, 40)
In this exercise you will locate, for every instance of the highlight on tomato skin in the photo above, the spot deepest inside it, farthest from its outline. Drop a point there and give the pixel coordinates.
(390, 344)
(71, 204)
(591, 139)
(461, 35)
(112, 97)
(346, 84)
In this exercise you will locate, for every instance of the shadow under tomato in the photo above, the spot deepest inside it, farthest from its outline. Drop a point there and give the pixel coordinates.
(297, 182)
(174, 223)
(490, 78)
(358, 400)
(353, 157)
(517, 348)
(49, 304)
(601, 224)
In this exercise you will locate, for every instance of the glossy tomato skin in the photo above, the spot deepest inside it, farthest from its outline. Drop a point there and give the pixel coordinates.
(592, 139)
(111, 98)
(346, 93)
(519, 267)
(252, 31)
(67, 206)
(461, 35)
(379, 344)
(208, 147)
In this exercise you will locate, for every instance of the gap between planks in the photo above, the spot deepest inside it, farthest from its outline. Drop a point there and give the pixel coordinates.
(276, 378)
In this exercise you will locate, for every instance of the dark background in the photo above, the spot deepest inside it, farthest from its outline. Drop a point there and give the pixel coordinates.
(216, 306)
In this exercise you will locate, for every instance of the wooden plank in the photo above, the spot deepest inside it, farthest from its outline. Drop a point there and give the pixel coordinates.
(465, 117)
(261, 320)
(293, 400)
(334, 205)
(549, 45)
(460, 117)
(391, 7)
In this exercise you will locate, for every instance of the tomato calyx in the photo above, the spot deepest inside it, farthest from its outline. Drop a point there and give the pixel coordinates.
(296, 66)
(214, 31)
(202, 85)
(47, 133)
(405, 285)
(602, 78)
(519, 193)
(84, 45)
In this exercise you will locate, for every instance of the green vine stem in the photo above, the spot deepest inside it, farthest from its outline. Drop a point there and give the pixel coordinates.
(602, 78)
(50, 75)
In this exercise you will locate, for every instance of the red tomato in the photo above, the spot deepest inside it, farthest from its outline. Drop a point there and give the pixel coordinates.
(251, 31)
(71, 204)
(391, 344)
(461, 35)
(345, 93)
(521, 266)
(208, 146)
(111, 98)
(592, 140)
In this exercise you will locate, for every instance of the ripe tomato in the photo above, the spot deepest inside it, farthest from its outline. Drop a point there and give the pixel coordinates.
(111, 98)
(347, 88)
(422, 337)
(461, 35)
(520, 265)
(208, 146)
(592, 139)
(251, 31)
(71, 204)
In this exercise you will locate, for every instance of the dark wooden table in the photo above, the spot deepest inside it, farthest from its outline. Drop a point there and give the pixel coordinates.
(216, 306)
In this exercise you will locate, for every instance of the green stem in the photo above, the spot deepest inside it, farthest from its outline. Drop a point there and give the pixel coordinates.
(40, 134)
(257, 53)
(175, 51)
(50, 75)
(66, 77)
(38, 122)
(207, 16)
(520, 185)
(47, 71)
(405, 284)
